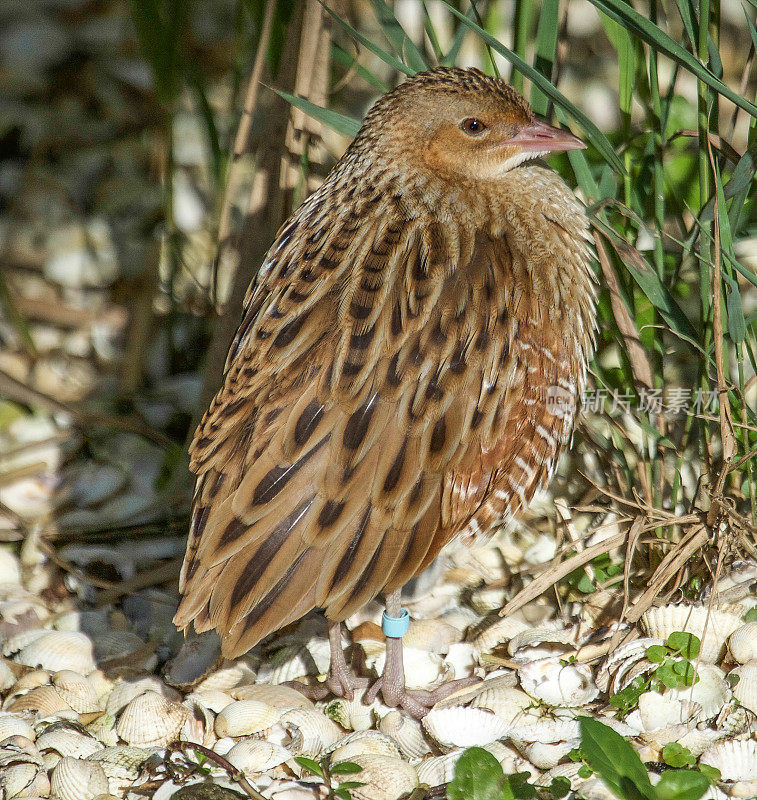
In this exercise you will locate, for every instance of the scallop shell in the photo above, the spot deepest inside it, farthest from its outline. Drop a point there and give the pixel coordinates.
(546, 742)
(745, 691)
(549, 681)
(736, 759)
(437, 770)
(246, 718)
(67, 740)
(76, 690)
(76, 779)
(384, 777)
(274, 695)
(310, 732)
(658, 712)
(407, 733)
(743, 643)
(463, 727)
(14, 725)
(151, 720)
(58, 650)
(254, 756)
(720, 624)
(362, 743)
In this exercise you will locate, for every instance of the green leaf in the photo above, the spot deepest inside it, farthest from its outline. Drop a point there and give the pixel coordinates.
(621, 41)
(520, 787)
(711, 773)
(403, 45)
(347, 126)
(656, 653)
(346, 768)
(668, 676)
(661, 42)
(615, 761)
(628, 697)
(342, 793)
(351, 784)
(685, 643)
(546, 46)
(593, 134)
(560, 787)
(751, 615)
(309, 765)
(478, 776)
(343, 58)
(676, 755)
(681, 784)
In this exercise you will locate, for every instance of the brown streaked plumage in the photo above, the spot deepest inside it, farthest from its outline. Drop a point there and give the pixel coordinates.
(388, 384)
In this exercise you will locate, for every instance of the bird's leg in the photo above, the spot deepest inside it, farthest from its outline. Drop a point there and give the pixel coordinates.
(340, 682)
(417, 702)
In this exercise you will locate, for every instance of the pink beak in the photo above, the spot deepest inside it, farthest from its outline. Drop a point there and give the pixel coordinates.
(539, 137)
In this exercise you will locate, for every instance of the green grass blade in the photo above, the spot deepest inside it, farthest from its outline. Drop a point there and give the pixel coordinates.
(348, 61)
(457, 43)
(428, 25)
(387, 58)
(593, 134)
(347, 126)
(655, 37)
(546, 46)
(621, 41)
(403, 45)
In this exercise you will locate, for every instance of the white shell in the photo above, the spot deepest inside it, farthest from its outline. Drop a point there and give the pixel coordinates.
(745, 691)
(125, 691)
(246, 718)
(423, 670)
(711, 692)
(274, 695)
(58, 650)
(75, 779)
(407, 733)
(502, 631)
(743, 643)
(24, 779)
(711, 626)
(463, 727)
(557, 685)
(385, 778)
(310, 731)
(362, 743)
(44, 700)
(662, 711)
(76, 690)
(614, 669)
(151, 720)
(121, 764)
(736, 760)
(67, 741)
(508, 703)
(438, 769)
(213, 699)
(15, 725)
(351, 714)
(254, 756)
(542, 642)
(545, 743)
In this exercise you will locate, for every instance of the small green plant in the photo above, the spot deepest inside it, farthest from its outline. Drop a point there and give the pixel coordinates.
(606, 573)
(751, 615)
(676, 755)
(325, 772)
(675, 670)
(613, 759)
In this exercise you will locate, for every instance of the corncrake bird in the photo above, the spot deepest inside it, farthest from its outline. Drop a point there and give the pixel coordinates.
(409, 366)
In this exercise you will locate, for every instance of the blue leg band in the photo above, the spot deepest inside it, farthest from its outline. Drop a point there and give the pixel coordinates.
(395, 627)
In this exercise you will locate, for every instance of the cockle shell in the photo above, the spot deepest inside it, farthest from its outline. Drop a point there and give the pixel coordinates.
(76, 690)
(463, 727)
(712, 626)
(711, 692)
(24, 779)
(384, 777)
(212, 699)
(67, 740)
(58, 650)
(351, 714)
(508, 704)
(437, 770)
(274, 695)
(199, 726)
(423, 670)
(151, 720)
(125, 691)
(407, 733)
(736, 759)
(246, 718)
(556, 684)
(546, 742)
(44, 700)
(362, 743)
(7, 678)
(121, 764)
(501, 631)
(432, 635)
(745, 691)
(77, 779)
(543, 642)
(612, 674)
(12, 724)
(743, 643)
(658, 712)
(254, 756)
(309, 731)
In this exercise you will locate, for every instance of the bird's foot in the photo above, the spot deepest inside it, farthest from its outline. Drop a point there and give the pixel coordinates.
(416, 702)
(339, 683)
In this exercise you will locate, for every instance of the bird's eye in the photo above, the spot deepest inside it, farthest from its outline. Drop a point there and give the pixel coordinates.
(473, 126)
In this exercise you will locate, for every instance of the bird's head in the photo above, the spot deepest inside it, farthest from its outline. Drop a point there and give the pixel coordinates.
(463, 124)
